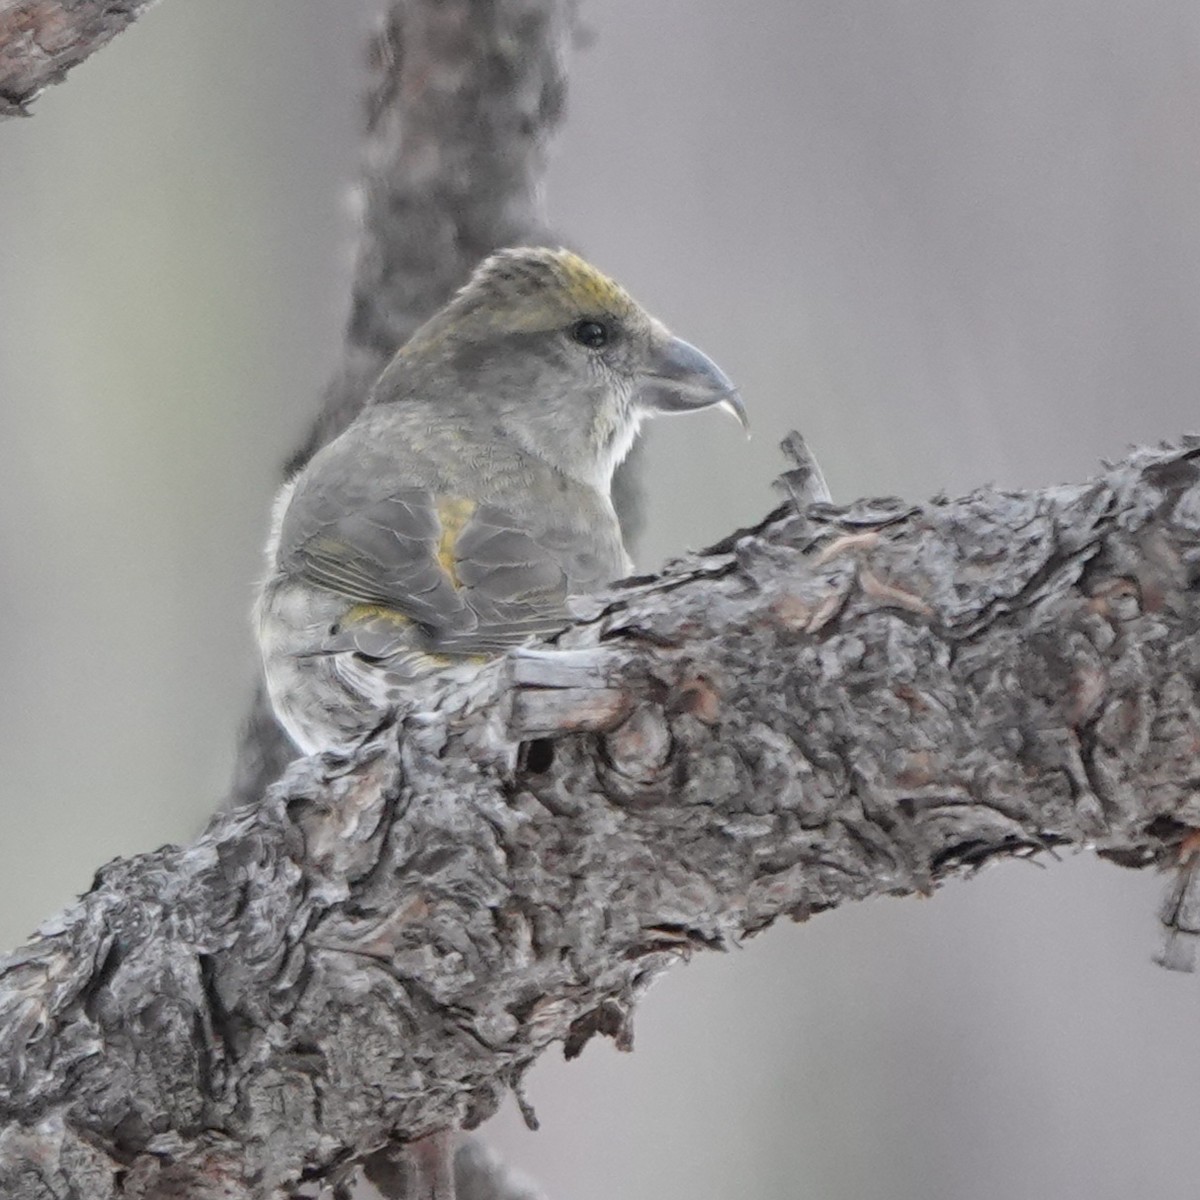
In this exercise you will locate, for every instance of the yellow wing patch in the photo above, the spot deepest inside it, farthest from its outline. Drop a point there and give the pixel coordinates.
(453, 513)
(374, 612)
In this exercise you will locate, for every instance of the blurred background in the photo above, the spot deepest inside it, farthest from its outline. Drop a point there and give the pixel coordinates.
(954, 241)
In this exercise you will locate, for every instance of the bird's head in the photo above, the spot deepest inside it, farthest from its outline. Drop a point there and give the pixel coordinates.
(541, 348)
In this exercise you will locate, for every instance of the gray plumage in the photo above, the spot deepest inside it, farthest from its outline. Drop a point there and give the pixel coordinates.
(470, 499)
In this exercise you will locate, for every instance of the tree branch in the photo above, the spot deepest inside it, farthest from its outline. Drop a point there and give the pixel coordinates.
(839, 703)
(41, 40)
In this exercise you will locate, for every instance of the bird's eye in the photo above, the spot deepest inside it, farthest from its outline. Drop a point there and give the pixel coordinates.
(593, 334)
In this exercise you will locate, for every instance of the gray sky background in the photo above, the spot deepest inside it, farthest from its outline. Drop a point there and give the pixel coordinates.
(954, 241)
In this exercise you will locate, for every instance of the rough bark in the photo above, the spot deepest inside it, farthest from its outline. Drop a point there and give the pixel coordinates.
(463, 101)
(839, 703)
(41, 40)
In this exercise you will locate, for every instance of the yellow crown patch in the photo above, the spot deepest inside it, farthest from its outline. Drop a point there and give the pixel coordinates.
(592, 290)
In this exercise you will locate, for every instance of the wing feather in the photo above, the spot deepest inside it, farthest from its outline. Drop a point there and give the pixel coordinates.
(428, 572)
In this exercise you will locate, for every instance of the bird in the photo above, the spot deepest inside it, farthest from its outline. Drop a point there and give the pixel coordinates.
(464, 506)
(470, 499)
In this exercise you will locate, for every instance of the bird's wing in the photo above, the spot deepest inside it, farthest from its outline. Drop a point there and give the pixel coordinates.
(469, 575)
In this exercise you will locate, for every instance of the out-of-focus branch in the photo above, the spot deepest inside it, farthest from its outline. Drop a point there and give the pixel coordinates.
(464, 98)
(41, 40)
(839, 703)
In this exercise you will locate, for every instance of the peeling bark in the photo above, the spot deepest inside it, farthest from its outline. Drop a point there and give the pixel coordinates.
(41, 40)
(839, 703)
